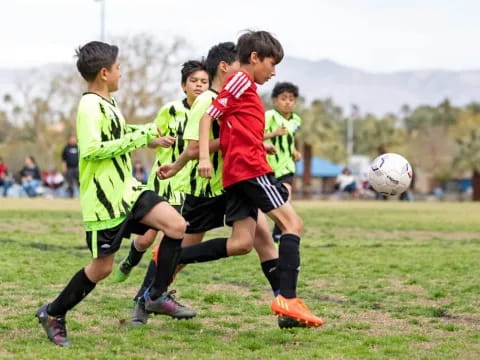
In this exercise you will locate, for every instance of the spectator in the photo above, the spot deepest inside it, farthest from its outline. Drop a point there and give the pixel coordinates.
(139, 172)
(54, 180)
(30, 177)
(70, 165)
(346, 183)
(5, 182)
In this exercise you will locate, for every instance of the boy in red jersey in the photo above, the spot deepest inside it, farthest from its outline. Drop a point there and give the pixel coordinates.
(247, 178)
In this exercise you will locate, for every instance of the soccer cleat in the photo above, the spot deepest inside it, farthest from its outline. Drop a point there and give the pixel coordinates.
(295, 309)
(122, 272)
(55, 327)
(139, 314)
(285, 322)
(167, 305)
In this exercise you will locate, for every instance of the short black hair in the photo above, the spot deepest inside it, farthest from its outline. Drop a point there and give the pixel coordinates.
(94, 56)
(282, 87)
(262, 42)
(191, 66)
(225, 51)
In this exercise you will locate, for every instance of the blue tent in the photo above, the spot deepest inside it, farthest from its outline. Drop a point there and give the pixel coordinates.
(321, 168)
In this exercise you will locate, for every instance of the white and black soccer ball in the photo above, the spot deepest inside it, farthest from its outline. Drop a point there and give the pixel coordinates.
(390, 174)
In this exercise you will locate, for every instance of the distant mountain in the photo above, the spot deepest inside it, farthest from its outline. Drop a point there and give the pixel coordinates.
(372, 92)
(378, 92)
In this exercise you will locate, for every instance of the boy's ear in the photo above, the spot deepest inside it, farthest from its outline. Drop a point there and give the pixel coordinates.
(254, 59)
(222, 65)
(103, 73)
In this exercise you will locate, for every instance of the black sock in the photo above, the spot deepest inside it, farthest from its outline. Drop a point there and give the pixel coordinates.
(75, 291)
(276, 233)
(270, 270)
(289, 264)
(134, 256)
(168, 255)
(205, 251)
(147, 280)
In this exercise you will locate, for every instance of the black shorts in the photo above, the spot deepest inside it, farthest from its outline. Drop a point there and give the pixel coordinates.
(203, 213)
(105, 242)
(206, 213)
(264, 192)
(286, 179)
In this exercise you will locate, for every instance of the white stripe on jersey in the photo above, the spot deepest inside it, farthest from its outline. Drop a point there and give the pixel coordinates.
(233, 80)
(242, 90)
(233, 90)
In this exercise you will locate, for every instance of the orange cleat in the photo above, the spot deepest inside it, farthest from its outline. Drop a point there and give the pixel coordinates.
(295, 309)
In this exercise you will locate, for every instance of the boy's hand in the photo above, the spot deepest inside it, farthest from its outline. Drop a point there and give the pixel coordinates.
(280, 131)
(205, 168)
(167, 171)
(269, 148)
(296, 155)
(163, 141)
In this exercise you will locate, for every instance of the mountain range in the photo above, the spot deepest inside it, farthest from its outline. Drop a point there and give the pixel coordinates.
(378, 93)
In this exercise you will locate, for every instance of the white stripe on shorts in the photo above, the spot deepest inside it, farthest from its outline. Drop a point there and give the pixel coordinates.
(271, 191)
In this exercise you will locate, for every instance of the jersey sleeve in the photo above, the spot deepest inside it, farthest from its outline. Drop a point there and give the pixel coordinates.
(90, 142)
(232, 91)
(162, 119)
(198, 109)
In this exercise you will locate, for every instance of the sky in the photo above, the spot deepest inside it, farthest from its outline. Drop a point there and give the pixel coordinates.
(373, 35)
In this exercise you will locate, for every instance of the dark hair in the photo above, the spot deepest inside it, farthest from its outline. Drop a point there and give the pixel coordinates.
(262, 42)
(32, 159)
(94, 56)
(225, 51)
(191, 66)
(282, 87)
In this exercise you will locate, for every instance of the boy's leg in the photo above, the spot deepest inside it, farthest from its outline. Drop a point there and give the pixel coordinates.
(137, 248)
(52, 316)
(140, 315)
(277, 232)
(157, 300)
(286, 303)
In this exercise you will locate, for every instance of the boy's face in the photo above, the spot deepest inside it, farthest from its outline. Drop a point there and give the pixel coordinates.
(112, 76)
(263, 70)
(196, 83)
(285, 102)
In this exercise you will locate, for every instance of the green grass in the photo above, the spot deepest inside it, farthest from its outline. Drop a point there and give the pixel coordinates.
(391, 281)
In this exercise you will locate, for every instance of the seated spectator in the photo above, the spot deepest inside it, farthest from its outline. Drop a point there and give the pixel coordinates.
(30, 177)
(346, 183)
(54, 180)
(139, 172)
(5, 182)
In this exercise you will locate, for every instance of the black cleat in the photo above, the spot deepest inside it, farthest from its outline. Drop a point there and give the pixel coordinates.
(285, 322)
(55, 327)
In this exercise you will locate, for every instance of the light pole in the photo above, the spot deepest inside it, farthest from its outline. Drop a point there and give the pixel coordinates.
(102, 19)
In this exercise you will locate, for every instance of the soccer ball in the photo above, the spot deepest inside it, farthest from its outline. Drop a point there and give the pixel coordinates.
(390, 174)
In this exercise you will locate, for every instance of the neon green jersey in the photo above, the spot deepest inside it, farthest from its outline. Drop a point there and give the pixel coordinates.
(171, 121)
(197, 185)
(282, 162)
(107, 188)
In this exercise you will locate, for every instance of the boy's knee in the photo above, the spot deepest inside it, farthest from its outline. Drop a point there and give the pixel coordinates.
(177, 228)
(243, 247)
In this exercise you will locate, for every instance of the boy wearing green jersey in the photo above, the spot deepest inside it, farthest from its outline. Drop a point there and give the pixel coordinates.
(114, 204)
(172, 119)
(281, 126)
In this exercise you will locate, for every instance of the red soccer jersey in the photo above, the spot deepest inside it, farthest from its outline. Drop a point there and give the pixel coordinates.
(242, 126)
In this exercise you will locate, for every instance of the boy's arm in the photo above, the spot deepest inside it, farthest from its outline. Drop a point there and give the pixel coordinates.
(279, 132)
(92, 147)
(205, 168)
(190, 153)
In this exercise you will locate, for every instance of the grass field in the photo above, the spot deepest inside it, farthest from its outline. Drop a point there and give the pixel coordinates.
(391, 281)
